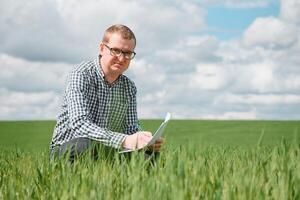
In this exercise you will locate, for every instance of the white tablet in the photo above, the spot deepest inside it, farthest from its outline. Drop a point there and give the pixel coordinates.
(158, 133)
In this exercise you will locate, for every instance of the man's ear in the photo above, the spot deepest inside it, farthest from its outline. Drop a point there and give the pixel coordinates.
(101, 48)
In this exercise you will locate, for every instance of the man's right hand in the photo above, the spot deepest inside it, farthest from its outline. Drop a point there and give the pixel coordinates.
(137, 140)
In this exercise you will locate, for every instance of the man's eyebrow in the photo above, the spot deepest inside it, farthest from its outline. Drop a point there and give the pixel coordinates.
(126, 51)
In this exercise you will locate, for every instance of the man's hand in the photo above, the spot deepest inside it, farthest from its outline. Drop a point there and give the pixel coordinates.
(137, 140)
(157, 145)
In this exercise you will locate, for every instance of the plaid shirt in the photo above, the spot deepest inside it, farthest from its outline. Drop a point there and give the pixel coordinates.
(95, 109)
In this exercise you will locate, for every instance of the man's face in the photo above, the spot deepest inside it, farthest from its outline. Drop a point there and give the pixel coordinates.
(115, 65)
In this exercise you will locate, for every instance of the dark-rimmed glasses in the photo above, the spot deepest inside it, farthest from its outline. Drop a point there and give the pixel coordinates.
(129, 55)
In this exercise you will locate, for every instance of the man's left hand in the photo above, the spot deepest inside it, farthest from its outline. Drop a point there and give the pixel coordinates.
(157, 145)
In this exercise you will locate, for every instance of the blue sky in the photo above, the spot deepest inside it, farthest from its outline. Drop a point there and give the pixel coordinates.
(230, 22)
(208, 59)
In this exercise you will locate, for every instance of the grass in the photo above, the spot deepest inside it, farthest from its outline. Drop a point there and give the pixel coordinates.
(26, 135)
(201, 160)
(36, 135)
(185, 173)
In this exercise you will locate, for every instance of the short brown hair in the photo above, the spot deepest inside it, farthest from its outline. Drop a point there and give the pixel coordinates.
(123, 30)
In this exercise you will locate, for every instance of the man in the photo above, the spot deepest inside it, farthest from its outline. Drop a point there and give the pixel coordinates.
(99, 104)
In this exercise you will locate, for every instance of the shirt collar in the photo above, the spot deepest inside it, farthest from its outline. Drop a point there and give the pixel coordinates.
(99, 68)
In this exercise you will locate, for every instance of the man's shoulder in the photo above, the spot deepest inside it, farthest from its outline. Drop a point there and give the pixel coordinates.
(127, 80)
(129, 85)
(85, 69)
(84, 66)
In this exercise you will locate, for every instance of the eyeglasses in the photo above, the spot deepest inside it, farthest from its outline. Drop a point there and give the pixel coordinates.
(118, 52)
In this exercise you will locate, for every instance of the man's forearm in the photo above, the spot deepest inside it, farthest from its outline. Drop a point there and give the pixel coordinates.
(84, 128)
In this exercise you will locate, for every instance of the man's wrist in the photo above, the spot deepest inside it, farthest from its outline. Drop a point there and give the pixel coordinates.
(130, 141)
(117, 141)
(123, 142)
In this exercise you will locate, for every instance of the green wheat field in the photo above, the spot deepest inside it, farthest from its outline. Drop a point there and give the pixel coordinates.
(201, 159)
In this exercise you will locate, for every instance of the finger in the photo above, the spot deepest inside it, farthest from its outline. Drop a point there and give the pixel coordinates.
(159, 144)
(159, 141)
(156, 148)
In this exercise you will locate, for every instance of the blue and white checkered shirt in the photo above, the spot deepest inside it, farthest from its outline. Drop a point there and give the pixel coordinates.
(95, 109)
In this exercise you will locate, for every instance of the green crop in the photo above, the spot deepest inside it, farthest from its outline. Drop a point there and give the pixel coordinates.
(200, 160)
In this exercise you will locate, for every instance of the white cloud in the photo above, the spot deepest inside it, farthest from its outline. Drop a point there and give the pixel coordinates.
(259, 70)
(176, 69)
(290, 11)
(271, 33)
(183, 56)
(28, 105)
(266, 99)
(22, 75)
(208, 77)
(258, 77)
(30, 90)
(34, 30)
(252, 114)
(69, 30)
(146, 74)
(198, 87)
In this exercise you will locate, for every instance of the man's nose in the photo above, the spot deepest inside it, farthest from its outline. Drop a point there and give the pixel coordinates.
(121, 57)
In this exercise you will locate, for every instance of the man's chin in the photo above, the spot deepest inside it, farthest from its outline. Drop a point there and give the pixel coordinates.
(117, 66)
(117, 70)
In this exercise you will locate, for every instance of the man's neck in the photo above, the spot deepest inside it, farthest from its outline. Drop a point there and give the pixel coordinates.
(110, 79)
